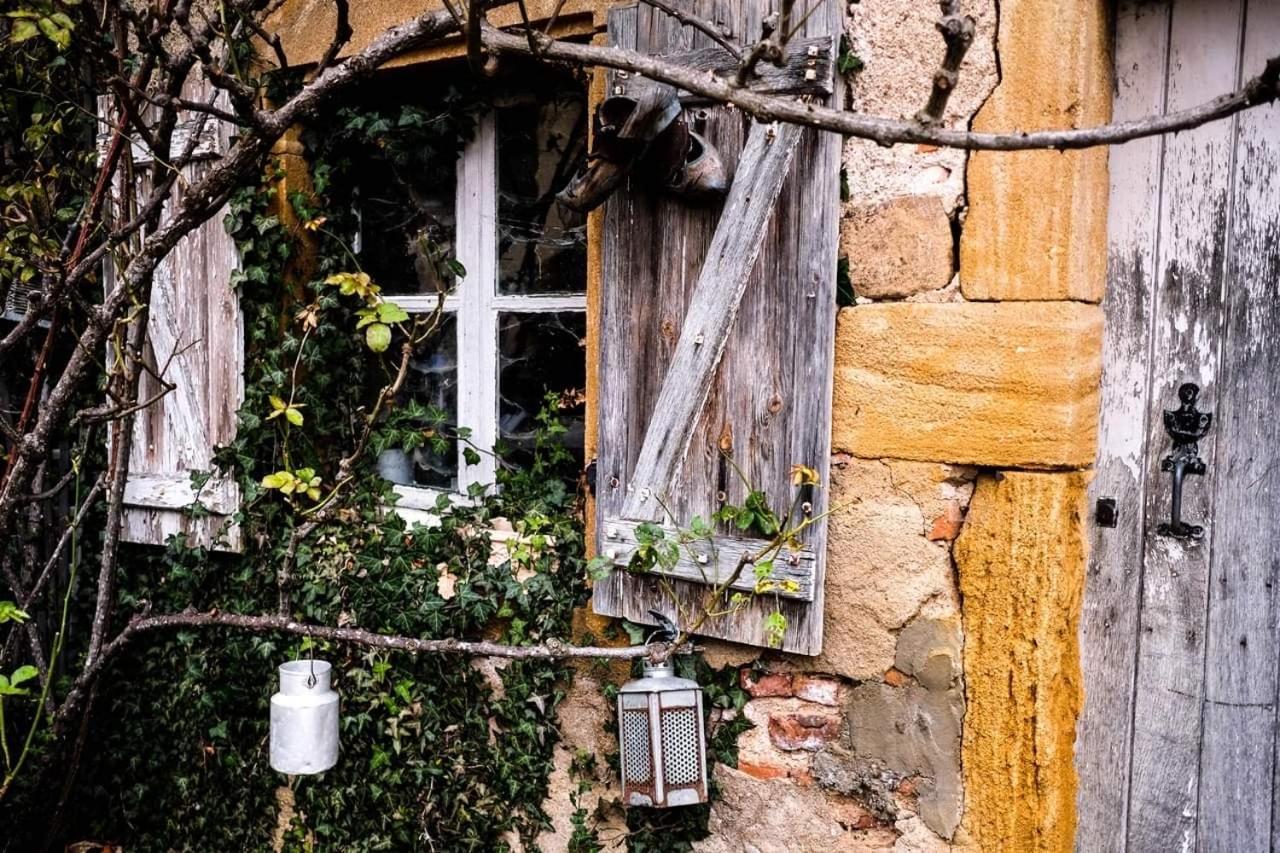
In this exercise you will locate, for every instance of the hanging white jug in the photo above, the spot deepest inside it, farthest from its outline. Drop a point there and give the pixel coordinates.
(304, 719)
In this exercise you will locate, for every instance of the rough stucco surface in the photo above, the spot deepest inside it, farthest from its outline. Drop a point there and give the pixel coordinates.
(998, 384)
(780, 817)
(883, 569)
(1021, 559)
(900, 50)
(1036, 224)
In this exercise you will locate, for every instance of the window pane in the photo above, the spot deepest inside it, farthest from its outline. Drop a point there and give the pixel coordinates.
(539, 354)
(433, 384)
(542, 247)
(407, 222)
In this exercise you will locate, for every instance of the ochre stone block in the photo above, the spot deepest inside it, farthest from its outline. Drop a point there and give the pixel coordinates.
(1021, 561)
(1004, 385)
(1036, 227)
(898, 248)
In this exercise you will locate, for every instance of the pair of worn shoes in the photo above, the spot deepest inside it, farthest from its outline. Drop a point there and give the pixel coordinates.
(646, 132)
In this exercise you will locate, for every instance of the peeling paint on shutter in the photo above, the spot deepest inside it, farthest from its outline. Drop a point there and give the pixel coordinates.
(669, 296)
(195, 334)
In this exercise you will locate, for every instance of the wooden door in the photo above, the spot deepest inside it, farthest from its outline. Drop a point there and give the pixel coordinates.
(1177, 744)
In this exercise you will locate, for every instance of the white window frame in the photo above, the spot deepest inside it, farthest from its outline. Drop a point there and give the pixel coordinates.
(476, 304)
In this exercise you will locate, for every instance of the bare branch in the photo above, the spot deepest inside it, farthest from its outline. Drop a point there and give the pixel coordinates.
(341, 33)
(1261, 89)
(957, 31)
(478, 62)
(551, 649)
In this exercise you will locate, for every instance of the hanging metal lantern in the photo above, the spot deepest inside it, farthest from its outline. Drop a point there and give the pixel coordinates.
(304, 719)
(663, 744)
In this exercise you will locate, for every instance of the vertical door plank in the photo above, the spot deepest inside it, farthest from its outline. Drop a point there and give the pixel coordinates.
(1109, 622)
(1237, 757)
(1163, 785)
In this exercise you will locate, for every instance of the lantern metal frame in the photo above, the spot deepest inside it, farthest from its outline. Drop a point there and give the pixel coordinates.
(662, 740)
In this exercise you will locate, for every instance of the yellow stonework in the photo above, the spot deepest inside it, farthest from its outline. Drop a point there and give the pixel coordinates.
(1037, 221)
(995, 384)
(1021, 561)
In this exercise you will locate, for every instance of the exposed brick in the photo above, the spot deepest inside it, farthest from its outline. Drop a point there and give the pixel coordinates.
(811, 688)
(762, 771)
(895, 677)
(769, 684)
(803, 731)
(947, 526)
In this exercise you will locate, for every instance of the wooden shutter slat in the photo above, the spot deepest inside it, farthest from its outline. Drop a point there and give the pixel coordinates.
(195, 336)
(768, 403)
(765, 162)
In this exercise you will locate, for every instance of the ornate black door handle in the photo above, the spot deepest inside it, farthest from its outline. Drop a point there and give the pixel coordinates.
(1186, 425)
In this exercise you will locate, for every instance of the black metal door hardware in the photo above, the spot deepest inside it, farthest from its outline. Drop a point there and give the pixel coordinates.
(1186, 425)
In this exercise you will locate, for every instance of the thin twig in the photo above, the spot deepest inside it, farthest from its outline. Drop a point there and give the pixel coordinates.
(341, 34)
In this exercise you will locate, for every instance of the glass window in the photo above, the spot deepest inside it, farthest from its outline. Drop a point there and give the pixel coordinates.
(515, 326)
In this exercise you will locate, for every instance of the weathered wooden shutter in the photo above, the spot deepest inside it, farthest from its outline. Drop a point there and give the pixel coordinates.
(716, 337)
(195, 341)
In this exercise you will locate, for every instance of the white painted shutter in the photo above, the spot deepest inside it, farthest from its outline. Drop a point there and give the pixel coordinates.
(195, 334)
(716, 339)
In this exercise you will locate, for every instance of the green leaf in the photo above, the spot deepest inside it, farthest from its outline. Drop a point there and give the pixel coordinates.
(10, 612)
(471, 456)
(389, 312)
(276, 480)
(23, 30)
(56, 34)
(293, 416)
(599, 567)
(23, 673)
(775, 628)
(378, 337)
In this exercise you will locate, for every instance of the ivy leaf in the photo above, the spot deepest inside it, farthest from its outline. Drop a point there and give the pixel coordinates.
(56, 34)
(775, 628)
(471, 456)
(378, 337)
(599, 567)
(276, 480)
